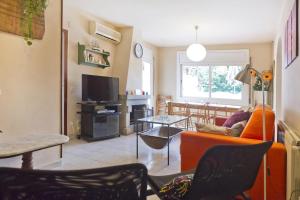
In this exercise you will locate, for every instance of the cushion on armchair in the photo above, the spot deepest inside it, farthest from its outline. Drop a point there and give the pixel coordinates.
(237, 128)
(177, 188)
(234, 131)
(237, 117)
(210, 128)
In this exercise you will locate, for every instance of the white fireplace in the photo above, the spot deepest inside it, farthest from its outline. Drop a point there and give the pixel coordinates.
(128, 103)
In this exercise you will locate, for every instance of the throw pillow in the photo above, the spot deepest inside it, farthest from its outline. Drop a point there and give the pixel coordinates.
(237, 117)
(177, 188)
(209, 128)
(238, 128)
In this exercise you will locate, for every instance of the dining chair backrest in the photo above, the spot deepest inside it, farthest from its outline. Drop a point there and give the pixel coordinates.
(226, 171)
(124, 182)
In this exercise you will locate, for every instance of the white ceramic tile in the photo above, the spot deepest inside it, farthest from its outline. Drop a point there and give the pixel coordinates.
(79, 154)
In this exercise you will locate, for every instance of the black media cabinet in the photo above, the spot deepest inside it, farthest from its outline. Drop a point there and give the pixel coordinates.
(99, 120)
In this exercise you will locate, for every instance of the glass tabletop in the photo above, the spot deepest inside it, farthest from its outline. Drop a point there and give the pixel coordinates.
(163, 119)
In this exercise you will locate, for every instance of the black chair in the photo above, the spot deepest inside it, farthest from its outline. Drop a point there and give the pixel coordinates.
(124, 182)
(223, 173)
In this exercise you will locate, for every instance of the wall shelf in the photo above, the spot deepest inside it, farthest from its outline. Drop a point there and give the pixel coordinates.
(92, 57)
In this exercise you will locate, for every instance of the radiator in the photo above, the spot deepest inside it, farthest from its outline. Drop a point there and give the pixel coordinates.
(292, 143)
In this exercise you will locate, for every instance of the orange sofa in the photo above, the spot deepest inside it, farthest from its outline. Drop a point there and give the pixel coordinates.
(194, 145)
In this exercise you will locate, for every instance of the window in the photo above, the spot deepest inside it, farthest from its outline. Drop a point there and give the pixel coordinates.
(223, 84)
(195, 81)
(214, 84)
(212, 80)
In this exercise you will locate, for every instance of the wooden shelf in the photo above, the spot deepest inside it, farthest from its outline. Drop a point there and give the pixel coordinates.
(94, 64)
(84, 52)
(98, 52)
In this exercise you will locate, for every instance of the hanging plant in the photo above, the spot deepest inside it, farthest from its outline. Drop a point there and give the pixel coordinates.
(31, 9)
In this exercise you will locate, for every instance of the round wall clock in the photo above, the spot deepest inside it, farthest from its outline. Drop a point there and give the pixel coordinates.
(138, 50)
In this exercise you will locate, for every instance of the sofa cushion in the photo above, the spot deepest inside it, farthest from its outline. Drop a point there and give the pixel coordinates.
(209, 128)
(237, 128)
(177, 188)
(237, 117)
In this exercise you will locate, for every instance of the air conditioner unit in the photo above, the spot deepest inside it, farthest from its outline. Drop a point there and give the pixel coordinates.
(104, 32)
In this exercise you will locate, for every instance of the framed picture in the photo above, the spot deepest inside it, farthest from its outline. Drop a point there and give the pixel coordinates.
(291, 36)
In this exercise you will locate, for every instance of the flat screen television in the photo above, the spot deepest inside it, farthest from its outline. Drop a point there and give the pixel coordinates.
(100, 88)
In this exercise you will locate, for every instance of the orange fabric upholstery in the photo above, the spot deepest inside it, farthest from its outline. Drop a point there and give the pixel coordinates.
(194, 145)
(254, 128)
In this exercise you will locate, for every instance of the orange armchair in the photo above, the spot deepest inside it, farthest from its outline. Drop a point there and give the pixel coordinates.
(194, 145)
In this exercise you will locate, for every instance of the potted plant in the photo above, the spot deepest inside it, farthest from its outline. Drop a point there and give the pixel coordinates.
(30, 10)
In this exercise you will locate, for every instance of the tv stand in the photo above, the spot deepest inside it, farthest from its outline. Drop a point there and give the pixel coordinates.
(99, 120)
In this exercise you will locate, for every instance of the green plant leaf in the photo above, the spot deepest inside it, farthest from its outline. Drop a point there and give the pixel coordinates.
(31, 9)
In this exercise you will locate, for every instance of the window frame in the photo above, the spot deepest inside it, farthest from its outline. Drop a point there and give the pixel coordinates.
(182, 61)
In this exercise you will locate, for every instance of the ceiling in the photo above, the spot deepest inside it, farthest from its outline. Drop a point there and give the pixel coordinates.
(167, 23)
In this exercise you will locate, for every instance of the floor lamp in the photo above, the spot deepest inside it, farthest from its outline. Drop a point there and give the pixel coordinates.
(244, 76)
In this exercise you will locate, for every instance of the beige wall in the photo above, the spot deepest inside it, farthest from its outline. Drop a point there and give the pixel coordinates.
(261, 58)
(135, 69)
(122, 59)
(289, 92)
(30, 85)
(124, 64)
(76, 22)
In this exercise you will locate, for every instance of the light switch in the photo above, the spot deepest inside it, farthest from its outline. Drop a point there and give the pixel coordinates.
(0, 92)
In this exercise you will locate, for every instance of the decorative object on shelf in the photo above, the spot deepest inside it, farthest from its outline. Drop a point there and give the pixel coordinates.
(265, 77)
(95, 45)
(138, 50)
(291, 36)
(24, 18)
(92, 56)
(30, 10)
(196, 51)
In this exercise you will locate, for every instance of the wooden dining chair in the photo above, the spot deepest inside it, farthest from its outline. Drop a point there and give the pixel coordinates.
(198, 114)
(180, 109)
(162, 104)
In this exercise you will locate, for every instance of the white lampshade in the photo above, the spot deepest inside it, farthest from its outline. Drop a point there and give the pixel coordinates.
(196, 52)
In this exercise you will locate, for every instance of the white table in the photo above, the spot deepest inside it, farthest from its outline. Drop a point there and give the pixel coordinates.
(12, 145)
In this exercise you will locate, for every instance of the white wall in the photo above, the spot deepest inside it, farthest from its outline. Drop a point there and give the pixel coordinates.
(30, 85)
(290, 107)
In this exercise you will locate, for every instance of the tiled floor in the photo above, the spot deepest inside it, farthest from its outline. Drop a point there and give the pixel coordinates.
(79, 154)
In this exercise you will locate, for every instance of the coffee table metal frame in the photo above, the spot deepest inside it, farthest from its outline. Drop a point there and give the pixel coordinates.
(160, 120)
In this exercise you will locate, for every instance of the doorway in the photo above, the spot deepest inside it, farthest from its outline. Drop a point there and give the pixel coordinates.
(147, 75)
(64, 85)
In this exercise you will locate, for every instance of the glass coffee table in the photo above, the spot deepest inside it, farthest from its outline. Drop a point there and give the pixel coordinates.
(161, 136)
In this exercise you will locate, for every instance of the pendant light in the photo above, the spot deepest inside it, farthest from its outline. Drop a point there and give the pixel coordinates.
(196, 52)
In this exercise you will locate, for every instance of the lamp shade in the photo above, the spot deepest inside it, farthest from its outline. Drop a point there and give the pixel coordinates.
(196, 52)
(244, 75)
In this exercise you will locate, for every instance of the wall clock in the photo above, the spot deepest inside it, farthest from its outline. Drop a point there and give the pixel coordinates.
(138, 50)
